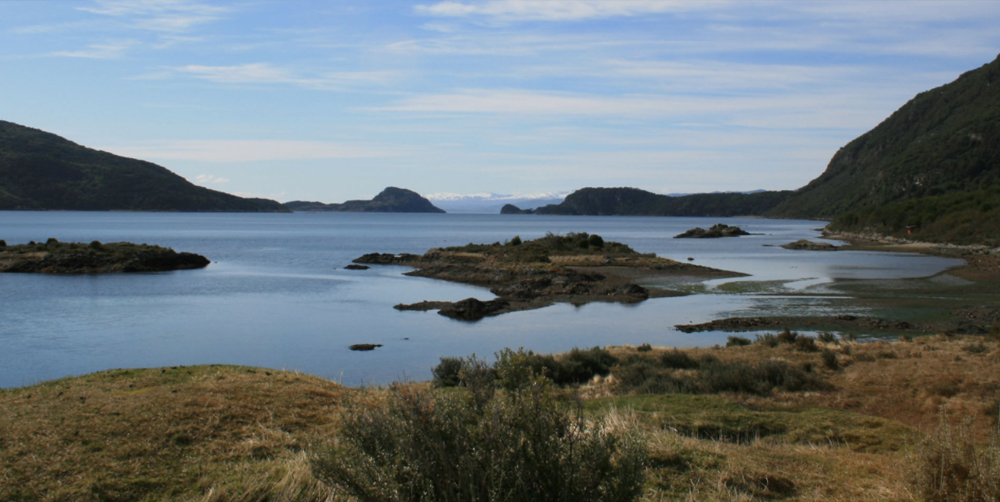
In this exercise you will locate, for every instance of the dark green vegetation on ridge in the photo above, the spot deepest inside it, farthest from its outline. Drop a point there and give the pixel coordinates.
(942, 141)
(636, 202)
(54, 257)
(932, 166)
(42, 171)
(391, 200)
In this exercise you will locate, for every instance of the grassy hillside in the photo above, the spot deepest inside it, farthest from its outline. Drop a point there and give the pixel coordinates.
(39, 170)
(942, 141)
(859, 431)
(635, 202)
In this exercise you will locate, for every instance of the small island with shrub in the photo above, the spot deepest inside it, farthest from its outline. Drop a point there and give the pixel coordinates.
(54, 257)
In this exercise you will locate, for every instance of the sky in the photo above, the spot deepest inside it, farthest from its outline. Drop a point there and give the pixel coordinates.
(335, 100)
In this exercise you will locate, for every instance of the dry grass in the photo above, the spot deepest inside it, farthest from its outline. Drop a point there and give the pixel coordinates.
(222, 433)
(179, 433)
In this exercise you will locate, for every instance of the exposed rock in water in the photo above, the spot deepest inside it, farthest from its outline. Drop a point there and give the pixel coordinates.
(471, 309)
(54, 257)
(364, 346)
(357, 267)
(422, 306)
(575, 268)
(803, 244)
(717, 230)
(387, 259)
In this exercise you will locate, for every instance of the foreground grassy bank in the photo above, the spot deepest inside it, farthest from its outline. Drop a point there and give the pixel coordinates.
(854, 427)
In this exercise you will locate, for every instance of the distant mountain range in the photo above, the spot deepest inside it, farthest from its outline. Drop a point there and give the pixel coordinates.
(391, 200)
(492, 202)
(39, 170)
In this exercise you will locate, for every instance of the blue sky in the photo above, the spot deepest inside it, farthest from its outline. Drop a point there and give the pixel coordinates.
(323, 100)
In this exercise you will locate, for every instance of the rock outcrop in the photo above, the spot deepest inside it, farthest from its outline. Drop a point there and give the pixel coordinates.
(717, 230)
(55, 257)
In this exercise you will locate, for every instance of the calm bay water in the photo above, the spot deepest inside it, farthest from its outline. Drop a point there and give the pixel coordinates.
(277, 296)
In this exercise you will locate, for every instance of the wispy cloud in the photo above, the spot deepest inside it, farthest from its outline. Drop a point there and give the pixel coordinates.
(209, 178)
(159, 15)
(109, 50)
(264, 73)
(247, 150)
(559, 10)
(823, 110)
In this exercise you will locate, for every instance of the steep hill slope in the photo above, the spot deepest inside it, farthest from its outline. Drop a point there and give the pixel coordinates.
(944, 140)
(39, 170)
(391, 200)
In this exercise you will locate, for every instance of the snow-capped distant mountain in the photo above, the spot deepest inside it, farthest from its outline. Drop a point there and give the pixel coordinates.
(492, 202)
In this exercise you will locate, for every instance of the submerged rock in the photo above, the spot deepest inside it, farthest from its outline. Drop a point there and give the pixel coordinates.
(717, 230)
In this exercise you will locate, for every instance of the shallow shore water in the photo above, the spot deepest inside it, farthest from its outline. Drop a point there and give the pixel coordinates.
(277, 295)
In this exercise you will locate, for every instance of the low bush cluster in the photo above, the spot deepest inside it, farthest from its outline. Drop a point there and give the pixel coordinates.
(506, 437)
(513, 367)
(800, 342)
(675, 372)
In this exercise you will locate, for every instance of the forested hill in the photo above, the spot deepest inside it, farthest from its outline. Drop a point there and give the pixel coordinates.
(635, 202)
(942, 141)
(391, 200)
(39, 170)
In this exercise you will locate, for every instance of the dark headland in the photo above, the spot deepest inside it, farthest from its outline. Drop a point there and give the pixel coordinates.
(42, 171)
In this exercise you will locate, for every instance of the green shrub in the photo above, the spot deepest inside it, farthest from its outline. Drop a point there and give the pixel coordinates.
(643, 375)
(737, 341)
(644, 348)
(595, 241)
(516, 369)
(767, 340)
(827, 337)
(521, 445)
(676, 359)
(3, 243)
(787, 336)
(830, 359)
(96, 245)
(516, 241)
(806, 344)
(579, 366)
(446, 373)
